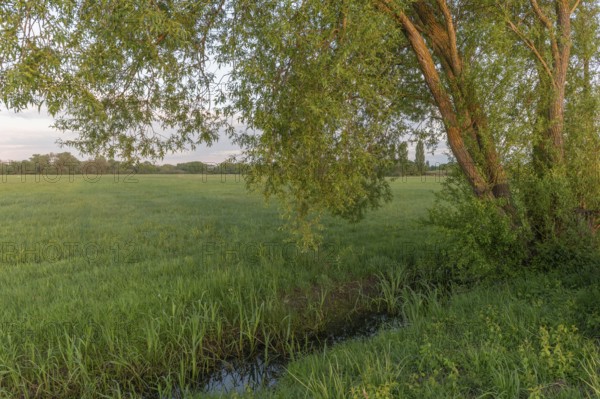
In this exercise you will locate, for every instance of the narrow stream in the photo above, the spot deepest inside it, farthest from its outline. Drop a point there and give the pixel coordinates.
(254, 374)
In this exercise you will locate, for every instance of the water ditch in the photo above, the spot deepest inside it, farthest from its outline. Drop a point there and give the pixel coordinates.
(239, 376)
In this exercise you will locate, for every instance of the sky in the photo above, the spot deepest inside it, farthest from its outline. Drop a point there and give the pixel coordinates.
(28, 132)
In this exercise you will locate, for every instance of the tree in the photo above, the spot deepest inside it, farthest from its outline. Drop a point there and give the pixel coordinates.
(40, 163)
(329, 86)
(420, 157)
(194, 167)
(402, 153)
(66, 163)
(95, 168)
(402, 159)
(147, 167)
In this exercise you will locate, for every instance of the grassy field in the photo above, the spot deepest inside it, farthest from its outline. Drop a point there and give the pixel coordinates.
(117, 285)
(110, 288)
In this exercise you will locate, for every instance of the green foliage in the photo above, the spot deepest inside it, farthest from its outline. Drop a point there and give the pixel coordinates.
(324, 90)
(64, 165)
(588, 310)
(420, 157)
(581, 122)
(402, 154)
(562, 236)
(312, 83)
(481, 241)
(113, 71)
(324, 134)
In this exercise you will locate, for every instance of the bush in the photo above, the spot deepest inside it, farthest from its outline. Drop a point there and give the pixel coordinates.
(561, 238)
(481, 242)
(484, 242)
(587, 310)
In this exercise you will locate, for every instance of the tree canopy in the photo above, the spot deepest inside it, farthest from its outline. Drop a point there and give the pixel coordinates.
(325, 90)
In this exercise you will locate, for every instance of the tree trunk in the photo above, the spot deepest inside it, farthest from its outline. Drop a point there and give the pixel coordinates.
(549, 154)
(464, 119)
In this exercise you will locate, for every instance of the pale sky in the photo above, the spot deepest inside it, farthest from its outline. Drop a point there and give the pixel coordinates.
(26, 133)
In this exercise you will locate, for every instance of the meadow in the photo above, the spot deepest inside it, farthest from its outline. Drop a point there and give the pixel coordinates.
(140, 286)
(117, 284)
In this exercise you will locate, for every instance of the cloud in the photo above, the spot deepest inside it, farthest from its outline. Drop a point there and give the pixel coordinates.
(28, 132)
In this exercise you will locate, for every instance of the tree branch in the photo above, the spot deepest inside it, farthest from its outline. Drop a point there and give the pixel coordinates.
(548, 24)
(532, 47)
(442, 99)
(543, 17)
(451, 35)
(439, 37)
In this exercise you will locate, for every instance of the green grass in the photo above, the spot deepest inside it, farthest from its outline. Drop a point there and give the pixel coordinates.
(113, 287)
(513, 340)
(181, 273)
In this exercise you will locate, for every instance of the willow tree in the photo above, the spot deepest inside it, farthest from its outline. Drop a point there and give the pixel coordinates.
(420, 156)
(323, 88)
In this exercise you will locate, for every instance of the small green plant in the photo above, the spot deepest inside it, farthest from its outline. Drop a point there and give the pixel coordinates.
(557, 346)
(384, 391)
(391, 284)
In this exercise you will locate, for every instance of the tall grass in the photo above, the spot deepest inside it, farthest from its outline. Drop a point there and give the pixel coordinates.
(512, 340)
(109, 288)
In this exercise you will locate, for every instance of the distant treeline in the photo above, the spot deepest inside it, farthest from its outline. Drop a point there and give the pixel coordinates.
(66, 163)
(411, 168)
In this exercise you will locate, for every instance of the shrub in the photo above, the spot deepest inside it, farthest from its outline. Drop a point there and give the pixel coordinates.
(548, 233)
(481, 242)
